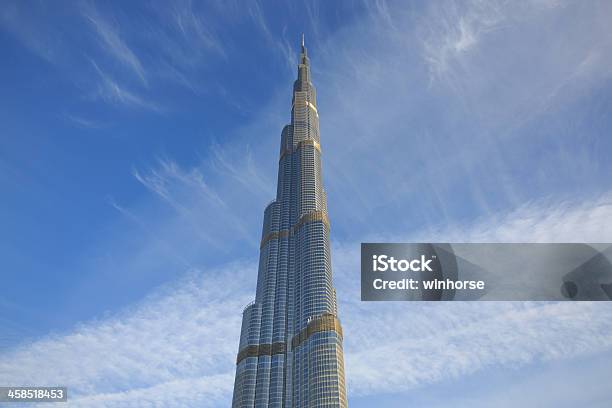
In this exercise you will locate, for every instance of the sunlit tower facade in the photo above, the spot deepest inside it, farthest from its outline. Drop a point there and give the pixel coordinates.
(290, 352)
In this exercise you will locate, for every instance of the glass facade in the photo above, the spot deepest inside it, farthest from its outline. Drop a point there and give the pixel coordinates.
(290, 352)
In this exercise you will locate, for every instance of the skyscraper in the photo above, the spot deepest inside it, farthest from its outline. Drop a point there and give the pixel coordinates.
(290, 352)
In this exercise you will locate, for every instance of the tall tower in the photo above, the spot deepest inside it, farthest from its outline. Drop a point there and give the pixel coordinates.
(290, 352)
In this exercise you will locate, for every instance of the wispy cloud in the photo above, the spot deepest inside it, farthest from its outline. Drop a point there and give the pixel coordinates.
(244, 171)
(161, 180)
(193, 26)
(162, 240)
(112, 42)
(435, 342)
(457, 30)
(83, 122)
(178, 336)
(560, 220)
(201, 391)
(168, 44)
(563, 384)
(498, 128)
(431, 343)
(173, 340)
(110, 91)
(198, 203)
(41, 40)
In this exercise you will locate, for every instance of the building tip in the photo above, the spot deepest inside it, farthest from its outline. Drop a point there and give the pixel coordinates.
(302, 40)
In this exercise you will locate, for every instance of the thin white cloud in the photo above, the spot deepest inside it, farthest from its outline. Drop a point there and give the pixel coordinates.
(244, 171)
(202, 391)
(397, 348)
(563, 220)
(175, 339)
(452, 31)
(204, 206)
(162, 241)
(42, 41)
(113, 43)
(112, 92)
(186, 335)
(83, 122)
(284, 47)
(168, 43)
(443, 341)
(510, 121)
(193, 26)
(567, 384)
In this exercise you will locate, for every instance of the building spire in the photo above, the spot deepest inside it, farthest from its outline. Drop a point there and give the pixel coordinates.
(303, 53)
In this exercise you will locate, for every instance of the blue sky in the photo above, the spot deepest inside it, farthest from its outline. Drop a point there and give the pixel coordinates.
(139, 147)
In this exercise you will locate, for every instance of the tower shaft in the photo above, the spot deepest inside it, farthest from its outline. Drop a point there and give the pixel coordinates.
(290, 353)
